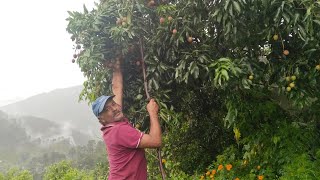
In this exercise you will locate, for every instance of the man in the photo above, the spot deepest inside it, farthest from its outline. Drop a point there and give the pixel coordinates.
(125, 145)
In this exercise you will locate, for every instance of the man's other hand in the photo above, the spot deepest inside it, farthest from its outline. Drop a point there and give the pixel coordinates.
(152, 107)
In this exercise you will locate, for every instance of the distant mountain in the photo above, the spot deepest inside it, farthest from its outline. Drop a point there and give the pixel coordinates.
(60, 106)
(50, 132)
(36, 131)
(10, 101)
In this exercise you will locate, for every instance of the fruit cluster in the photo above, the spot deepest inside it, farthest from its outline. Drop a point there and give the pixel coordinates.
(122, 21)
(291, 81)
(174, 31)
(76, 50)
(284, 51)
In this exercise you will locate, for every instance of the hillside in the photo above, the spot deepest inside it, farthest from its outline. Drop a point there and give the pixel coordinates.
(60, 106)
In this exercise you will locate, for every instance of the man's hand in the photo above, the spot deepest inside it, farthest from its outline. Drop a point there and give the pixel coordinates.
(153, 139)
(152, 107)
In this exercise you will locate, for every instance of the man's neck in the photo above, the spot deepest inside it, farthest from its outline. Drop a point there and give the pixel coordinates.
(120, 120)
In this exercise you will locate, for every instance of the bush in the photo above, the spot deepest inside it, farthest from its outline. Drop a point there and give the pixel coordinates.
(64, 171)
(16, 174)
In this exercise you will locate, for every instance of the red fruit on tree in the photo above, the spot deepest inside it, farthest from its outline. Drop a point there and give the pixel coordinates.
(118, 22)
(174, 31)
(286, 52)
(190, 39)
(73, 38)
(162, 20)
(151, 3)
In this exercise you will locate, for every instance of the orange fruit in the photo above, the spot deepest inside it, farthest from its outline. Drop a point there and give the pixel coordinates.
(208, 173)
(214, 172)
(286, 52)
(228, 167)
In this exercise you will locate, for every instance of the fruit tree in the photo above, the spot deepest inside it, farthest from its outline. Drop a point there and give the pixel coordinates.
(236, 80)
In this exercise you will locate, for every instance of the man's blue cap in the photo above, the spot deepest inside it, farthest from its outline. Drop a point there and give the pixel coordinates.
(98, 104)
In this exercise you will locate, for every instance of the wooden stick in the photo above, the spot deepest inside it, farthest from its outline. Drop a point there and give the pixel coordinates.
(148, 97)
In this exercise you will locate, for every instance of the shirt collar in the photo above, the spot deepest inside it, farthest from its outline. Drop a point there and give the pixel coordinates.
(124, 121)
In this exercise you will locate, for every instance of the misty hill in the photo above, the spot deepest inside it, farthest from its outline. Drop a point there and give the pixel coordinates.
(60, 106)
(29, 130)
(35, 143)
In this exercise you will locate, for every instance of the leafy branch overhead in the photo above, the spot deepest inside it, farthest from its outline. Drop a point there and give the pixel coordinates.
(207, 61)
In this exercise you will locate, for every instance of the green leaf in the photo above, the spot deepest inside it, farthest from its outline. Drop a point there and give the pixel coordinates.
(296, 16)
(70, 13)
(245, 84)
(316, 21)
(286, 17)
(215, 13)
(237, 6)
(196, 72)
(85, 9)
(139, 96)
(225, 74)
(226, 5)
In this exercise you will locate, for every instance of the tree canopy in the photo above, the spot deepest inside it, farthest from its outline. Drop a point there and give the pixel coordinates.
(237, 81)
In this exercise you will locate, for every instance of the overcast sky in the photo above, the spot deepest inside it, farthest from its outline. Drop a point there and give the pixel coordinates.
(35, 49)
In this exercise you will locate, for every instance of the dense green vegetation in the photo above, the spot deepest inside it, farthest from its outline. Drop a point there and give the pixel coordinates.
(237, 82)
(22, 155)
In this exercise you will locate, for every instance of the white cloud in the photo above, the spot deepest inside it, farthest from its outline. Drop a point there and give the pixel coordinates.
(35, 49)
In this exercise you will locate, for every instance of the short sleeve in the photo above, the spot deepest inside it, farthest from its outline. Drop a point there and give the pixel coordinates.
(129, 136)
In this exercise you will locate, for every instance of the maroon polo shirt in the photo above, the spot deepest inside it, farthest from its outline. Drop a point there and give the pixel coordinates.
(126, 160)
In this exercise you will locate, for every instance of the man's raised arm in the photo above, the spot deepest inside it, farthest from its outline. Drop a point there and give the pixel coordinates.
(117, 82)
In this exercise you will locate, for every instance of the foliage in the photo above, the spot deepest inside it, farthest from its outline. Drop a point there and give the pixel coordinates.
(302, 167)
(64, 170)
(16, 174)
(248, 69)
